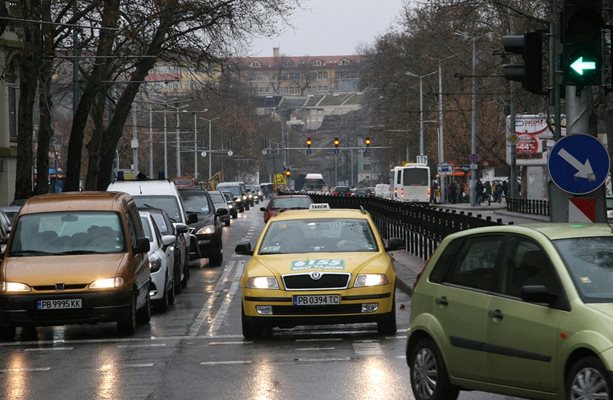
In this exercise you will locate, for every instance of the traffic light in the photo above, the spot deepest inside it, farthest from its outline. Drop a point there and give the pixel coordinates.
(288, 172)
(337, 141)
(581, 24)
(367, 142)
(530, 73)
(309, 142)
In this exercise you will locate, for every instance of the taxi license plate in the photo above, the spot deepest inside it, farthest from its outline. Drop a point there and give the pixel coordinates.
(59, 304)
(317, 300)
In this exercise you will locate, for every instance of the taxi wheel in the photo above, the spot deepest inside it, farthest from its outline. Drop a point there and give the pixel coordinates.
(127, 326)
(7, 333)
(251, 329)
(143, 315)
(429, 379)
(227, 223)
(177, 278)
(588, 379)
(387, 326)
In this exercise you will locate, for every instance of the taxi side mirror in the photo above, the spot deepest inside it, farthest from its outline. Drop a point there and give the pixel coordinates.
(537, 294)
(395, 244)
(243, 248)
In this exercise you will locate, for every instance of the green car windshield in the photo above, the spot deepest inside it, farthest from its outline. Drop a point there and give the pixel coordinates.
(318, 236)
(589, 261)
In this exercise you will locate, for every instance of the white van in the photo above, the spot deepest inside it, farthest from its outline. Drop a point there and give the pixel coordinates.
(410, 183)
(161, 194)
(314, 183)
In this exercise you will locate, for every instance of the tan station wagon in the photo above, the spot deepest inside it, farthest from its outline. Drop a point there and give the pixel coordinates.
(75, 258)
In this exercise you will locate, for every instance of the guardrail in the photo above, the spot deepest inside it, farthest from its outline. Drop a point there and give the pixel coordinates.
(422, 227)
(528, 206)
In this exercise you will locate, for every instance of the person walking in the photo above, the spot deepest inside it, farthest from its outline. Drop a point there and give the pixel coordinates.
(479, 191)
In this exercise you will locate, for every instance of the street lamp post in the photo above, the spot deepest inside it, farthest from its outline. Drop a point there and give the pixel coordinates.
(421, 107)
(210, 121)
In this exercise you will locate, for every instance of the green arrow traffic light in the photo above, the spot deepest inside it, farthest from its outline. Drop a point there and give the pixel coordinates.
(580, 66)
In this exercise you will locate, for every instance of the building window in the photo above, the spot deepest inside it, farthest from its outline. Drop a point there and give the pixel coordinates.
(322, 75)
(317, 63)
(255, 64)
(344, 61)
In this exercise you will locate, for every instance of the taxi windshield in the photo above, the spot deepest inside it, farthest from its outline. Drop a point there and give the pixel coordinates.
(318, 236)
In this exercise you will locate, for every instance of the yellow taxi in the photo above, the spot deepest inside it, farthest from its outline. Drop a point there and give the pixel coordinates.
(318, 266)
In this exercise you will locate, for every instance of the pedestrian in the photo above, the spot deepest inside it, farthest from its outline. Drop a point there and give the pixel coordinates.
(505, 188)
(479, 192)
(488, 193)
(453, 192)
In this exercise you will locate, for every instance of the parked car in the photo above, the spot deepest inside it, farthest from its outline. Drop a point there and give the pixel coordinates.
(523, 311)
(177, 229)
(239, 191)
(232, 207)
(162, 194)
(208, 229)
(342, 191)
(161, 262)
(5, 230)
(609, 201)
(318, 266)
(281, 203)
(364, 192)
(219, 201)
(382, 190)
(76, 257)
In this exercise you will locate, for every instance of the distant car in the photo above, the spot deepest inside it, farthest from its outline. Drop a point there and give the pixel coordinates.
(206, 241)
(231, 204)
(342, 191)
(364, 192)
(382, 190)
(318, 266)
(255, 194)
(161, 263)
(219, 201)
(285, 202)
(239, 191)
(609, 201)
(524, 311)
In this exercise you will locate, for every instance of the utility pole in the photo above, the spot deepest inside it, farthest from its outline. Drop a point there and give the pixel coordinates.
(473, 132)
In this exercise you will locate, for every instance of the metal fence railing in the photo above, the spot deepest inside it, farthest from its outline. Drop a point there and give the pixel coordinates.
(528, 206)
(422, 227)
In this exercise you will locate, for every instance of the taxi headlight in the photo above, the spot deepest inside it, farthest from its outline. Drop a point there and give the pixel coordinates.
(371, 280)
(13, 287)
(106, 283)
(206, 230)
(262, 282)
(155, 263)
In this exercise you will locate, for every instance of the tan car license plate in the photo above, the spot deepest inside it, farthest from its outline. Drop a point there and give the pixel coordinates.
(58, 304)
(317, 300)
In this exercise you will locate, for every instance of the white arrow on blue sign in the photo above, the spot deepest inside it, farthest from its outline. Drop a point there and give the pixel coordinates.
(578, 164)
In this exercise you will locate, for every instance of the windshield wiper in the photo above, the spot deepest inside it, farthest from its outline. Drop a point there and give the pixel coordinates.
(31, 253)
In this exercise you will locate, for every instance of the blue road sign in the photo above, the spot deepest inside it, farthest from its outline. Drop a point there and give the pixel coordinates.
(578, 164)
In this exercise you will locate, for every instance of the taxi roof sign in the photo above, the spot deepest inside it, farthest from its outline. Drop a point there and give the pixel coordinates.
(319, 206)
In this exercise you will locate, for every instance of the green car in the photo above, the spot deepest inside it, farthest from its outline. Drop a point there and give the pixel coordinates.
(522, 310)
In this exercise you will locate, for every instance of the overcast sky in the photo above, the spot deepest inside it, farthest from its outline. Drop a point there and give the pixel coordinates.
(332, 27)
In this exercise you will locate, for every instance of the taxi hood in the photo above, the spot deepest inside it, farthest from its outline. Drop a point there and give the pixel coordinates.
(352, 262)
(70, 269)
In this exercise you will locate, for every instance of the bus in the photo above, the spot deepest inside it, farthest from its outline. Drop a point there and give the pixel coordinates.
(314, 183)
(410, 183)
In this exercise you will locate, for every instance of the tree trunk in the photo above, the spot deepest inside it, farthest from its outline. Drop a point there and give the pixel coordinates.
(110, 17)
(29, 67)
(94, 145)
(45, 104)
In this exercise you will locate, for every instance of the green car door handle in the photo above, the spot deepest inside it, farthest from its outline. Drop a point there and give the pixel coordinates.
(496, 314)
(442, 301)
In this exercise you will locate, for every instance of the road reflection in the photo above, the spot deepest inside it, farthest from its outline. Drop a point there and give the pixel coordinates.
(108, 376)
(264, 383)
(17, 374)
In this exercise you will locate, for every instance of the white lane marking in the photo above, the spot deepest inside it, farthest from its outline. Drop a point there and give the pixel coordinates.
(224, 343)
(401, 357)
(225, 306)
(49, 349)
(145, 365)
(315, 348)
(225, 362)
(10, 370)
(320, 340)
(367, 348)
(204, 312)
(323, 359)
(126, 346)
(395, 337)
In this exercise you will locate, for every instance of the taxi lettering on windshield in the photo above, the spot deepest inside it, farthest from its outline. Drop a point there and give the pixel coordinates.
(319, 264)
